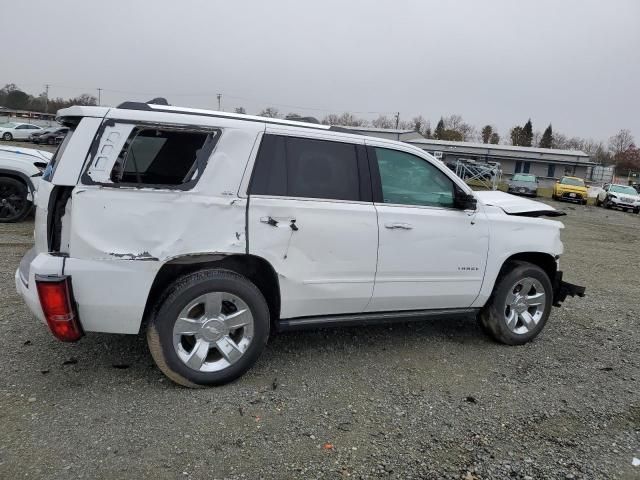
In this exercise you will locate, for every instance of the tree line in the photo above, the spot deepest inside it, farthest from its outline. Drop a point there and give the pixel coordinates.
(620, 150)
(14, 98)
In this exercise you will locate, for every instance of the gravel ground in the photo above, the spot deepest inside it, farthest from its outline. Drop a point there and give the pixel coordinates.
(423, 400)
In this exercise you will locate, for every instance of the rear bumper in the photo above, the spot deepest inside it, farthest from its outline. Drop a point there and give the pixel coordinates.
(562, 290)
(110, 295)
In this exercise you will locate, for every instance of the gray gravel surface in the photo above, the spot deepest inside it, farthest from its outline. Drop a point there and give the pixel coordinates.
(422, 400)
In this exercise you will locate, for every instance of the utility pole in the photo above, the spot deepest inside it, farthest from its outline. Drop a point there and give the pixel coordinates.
(397, 119)
(219, 102)
(46, 98)
(99, 96)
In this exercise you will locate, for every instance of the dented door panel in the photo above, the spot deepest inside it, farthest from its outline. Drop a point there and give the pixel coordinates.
(327, 264)
(152, 224)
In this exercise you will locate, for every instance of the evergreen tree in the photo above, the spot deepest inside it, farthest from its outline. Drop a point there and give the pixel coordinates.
(527, 134)
(487, 130)
(439, 131)
(516, 135)
(547, 138)
(495, 138)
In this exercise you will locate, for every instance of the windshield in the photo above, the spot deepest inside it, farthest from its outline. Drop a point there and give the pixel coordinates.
(623, 189)
(519, 177)
(7, 125)
(578, 182)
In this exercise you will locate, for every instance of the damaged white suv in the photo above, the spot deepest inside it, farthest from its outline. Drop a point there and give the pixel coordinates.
(212, 230)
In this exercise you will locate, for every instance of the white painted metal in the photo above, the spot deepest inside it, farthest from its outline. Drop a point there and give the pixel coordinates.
(328, 265)
(117, 239)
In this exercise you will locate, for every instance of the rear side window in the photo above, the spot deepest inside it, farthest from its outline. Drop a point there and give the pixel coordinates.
(153, 156)
(306, 168)
(51, 166)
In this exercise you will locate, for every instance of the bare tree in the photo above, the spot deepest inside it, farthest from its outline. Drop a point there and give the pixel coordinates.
(384, 122)
(457, 124)
(620, 142)
(240, 110)
(270, 112)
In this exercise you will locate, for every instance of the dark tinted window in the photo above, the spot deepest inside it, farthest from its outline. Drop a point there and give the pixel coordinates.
(302, 167)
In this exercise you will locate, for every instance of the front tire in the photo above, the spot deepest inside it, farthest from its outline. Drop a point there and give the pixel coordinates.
(7, 137)
(210, 328)
(14, 204)
(520, 305)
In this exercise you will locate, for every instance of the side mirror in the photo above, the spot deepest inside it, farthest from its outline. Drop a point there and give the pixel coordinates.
(465, 201)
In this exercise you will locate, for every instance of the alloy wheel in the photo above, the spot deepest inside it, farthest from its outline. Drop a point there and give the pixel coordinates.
(213, 331)
(12, 202)
(524, 305)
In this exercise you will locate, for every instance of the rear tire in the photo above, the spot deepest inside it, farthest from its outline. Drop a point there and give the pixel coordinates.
(520, 304)
(197, 336)
(14, 205)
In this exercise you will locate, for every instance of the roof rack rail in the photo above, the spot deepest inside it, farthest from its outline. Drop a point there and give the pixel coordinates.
(143, 105)
(334, 128)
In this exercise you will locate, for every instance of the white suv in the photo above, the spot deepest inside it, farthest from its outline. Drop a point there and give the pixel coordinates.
(212, 230)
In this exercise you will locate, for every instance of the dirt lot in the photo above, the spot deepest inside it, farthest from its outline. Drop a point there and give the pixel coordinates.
(422, 400)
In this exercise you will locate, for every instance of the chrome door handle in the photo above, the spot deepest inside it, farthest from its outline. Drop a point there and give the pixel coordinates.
(401, 226)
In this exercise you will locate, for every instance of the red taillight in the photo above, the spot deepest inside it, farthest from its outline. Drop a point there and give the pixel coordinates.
(57, 305)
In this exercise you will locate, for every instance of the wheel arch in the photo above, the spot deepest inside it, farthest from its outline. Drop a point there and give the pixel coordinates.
(545, 261)
(255, 268)
(17, 176)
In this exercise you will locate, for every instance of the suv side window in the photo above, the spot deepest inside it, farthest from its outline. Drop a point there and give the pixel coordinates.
(410, 180)
(306, 168)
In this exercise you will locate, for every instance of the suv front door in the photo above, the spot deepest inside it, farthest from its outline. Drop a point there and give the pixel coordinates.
(312, 218)
(431, 255)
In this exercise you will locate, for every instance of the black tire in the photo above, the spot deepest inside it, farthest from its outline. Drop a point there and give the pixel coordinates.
(598, 202)
(492, 315)
(583, 202)
(176, 297)
(607, 204)
(7, 137)
(14, 204)
(636, 211)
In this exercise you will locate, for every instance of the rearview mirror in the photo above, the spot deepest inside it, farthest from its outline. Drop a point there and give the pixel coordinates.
(465, 201)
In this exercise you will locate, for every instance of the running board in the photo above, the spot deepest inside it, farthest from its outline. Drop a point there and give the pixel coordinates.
(375, 318)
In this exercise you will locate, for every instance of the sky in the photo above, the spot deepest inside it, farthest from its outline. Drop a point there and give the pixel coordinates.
(572, 63)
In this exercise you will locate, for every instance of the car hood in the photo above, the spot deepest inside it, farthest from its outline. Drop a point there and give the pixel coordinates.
(514, 205)
(571, 188)
(520, 184)
(28, 155)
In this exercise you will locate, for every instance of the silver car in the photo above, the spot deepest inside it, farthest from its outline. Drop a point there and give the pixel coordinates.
(523, 184)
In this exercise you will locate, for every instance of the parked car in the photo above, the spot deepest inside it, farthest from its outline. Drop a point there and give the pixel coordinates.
(571, 189)
(619, 196)
(20, 169)
(523, 184)
(52, 136)
(17, 131)
(210, 230)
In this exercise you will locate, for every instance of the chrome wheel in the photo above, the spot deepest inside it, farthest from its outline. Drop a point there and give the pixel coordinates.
(213, 331)
(524, 305)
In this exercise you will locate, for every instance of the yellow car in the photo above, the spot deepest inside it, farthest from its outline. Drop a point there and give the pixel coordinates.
(572, 189)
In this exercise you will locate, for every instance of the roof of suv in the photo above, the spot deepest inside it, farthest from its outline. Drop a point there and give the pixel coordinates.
(83, 111)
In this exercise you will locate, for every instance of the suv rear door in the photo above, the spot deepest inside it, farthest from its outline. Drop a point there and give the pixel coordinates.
(311, 216)
(431, 255)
